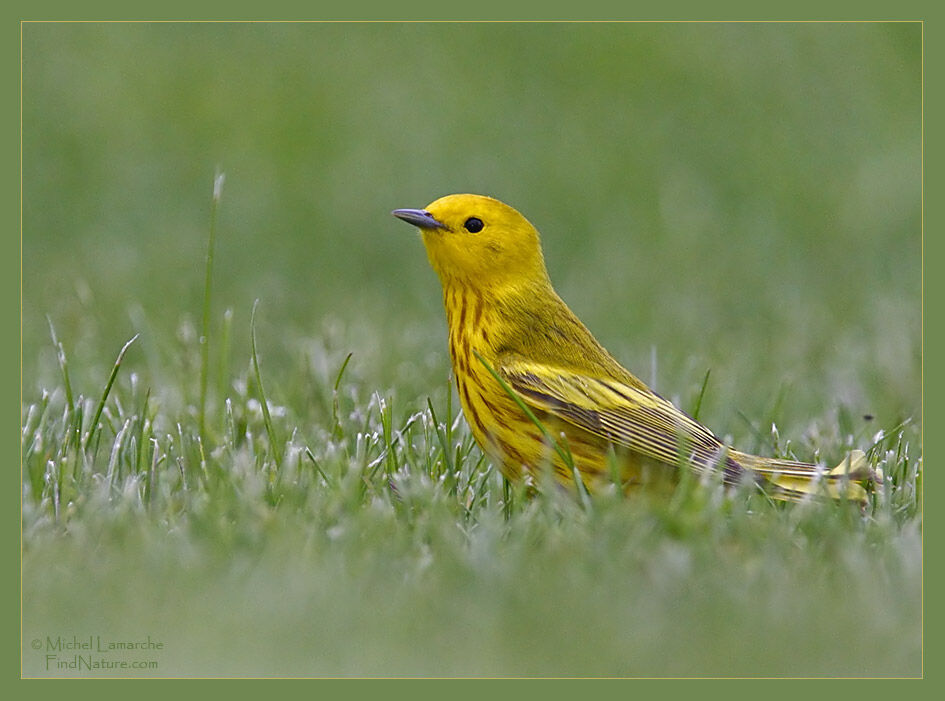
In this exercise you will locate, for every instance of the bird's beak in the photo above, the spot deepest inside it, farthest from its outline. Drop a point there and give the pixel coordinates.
(418, 217)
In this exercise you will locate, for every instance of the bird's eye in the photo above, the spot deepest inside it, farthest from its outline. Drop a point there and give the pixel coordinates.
(473, 225)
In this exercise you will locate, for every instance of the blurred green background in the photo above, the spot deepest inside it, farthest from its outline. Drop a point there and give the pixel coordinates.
(740, 198)
(736, 196)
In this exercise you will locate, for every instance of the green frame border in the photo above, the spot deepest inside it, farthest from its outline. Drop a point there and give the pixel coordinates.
(12, 242)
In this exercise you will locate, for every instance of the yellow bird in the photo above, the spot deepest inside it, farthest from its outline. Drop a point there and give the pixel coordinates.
(539, 392)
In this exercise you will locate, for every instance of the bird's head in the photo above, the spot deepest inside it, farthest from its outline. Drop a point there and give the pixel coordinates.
(478, 241)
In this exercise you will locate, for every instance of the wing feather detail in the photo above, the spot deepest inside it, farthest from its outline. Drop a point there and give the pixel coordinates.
(632, 417)
(637, 419)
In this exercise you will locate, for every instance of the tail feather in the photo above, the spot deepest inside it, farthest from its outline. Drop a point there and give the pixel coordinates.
(794, 481)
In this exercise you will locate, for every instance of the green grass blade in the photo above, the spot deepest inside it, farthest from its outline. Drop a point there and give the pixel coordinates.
(698, 407)
(270, 431)
(223, 377)
(208, 281)
(108, 388)
(441, 437)
(336, 427)
(63, 366)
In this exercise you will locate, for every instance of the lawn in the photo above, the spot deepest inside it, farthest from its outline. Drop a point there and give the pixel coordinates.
(733, 209)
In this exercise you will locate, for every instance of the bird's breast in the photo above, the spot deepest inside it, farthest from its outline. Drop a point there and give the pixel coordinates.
(473, 329)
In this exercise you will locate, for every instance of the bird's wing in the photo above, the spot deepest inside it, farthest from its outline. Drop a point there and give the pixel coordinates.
(633, 417)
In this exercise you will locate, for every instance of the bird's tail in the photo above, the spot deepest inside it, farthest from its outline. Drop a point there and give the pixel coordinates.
(794, 481)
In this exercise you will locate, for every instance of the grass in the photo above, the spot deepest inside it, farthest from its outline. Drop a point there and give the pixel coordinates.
(288, 488)
(379, 542)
